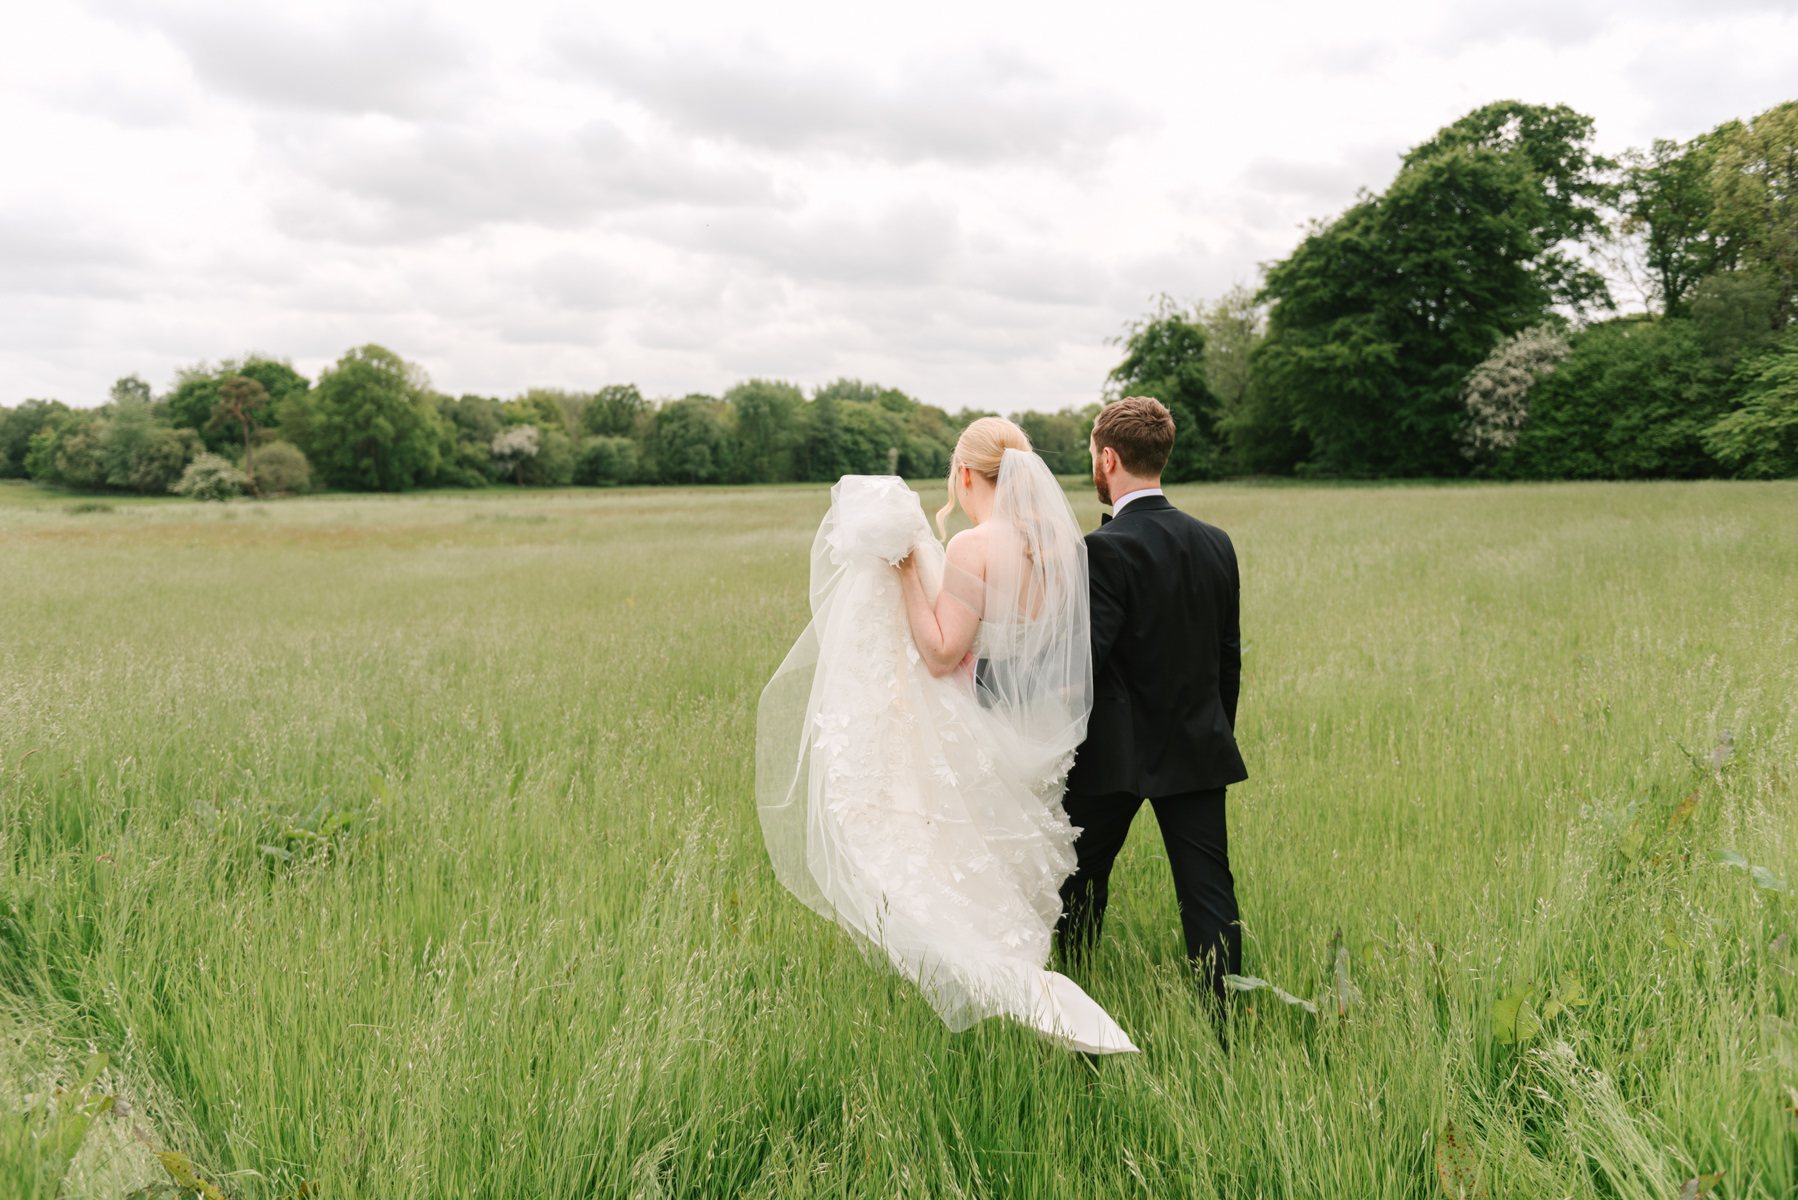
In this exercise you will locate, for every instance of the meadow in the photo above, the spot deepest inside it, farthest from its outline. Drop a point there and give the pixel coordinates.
(406, 847)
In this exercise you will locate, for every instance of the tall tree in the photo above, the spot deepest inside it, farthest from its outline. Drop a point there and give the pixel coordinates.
(189, 405)
(614, 411)
(1164, 357)
(130, 388)
(375, 426)
(769, 427)
(1665, 200)
(242, 401)
(692, 442)
(18, 427)
(1755, 178)
(1378, 316)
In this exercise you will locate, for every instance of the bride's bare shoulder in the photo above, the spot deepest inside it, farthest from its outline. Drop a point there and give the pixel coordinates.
(967, 550)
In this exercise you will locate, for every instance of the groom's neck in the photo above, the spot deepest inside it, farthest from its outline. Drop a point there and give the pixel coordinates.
(1121, 485)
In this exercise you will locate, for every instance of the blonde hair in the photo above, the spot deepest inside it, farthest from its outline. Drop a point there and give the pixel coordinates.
(981, 448)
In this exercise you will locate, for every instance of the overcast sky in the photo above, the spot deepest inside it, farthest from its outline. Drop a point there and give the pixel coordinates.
(963, 200)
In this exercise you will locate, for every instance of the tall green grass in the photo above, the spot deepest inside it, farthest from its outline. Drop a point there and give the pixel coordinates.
(407, 846)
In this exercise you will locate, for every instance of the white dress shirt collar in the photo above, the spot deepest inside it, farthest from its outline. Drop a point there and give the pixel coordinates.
(1117, 506)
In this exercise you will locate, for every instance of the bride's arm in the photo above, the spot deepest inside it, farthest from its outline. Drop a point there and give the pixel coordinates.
(945, 634)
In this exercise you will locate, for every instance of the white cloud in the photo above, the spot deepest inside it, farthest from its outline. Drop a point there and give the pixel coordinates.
(986, 107)
(402, 61)
(395, 183)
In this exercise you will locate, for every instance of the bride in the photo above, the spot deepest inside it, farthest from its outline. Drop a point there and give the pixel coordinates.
(911, 749)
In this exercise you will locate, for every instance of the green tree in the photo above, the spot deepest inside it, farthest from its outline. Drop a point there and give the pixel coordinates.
(1755, 181)
(822, 453)
(1759, 440)
(692, 442)
(1255, 433)
(375, 425)
(1551, 145)
(128, 429)
(284, 469)
(553, 464)
(195, 395)
(1735, 313)
(1060, 438)
(1665, 200)
(853, 391)
(770, 428)
(159, 462)
(871, 439)
(473, 422)
(1630, 400)
(130, 388)
(242, 402)
(17, 427)
(76, 454)
(1379, 315)
(606, 462)
(1164, 357)
(614, 411)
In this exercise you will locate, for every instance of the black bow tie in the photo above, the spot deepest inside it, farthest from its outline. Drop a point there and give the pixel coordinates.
(1104, 518)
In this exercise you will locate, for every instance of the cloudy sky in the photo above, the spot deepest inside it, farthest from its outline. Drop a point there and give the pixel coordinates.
(962, 199)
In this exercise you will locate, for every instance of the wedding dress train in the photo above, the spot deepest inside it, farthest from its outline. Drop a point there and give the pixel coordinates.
(923, 814)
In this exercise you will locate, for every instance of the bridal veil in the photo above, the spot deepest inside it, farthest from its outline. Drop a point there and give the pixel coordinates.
(923, 814)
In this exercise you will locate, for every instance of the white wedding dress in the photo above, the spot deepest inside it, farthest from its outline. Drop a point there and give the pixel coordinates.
(923, 814)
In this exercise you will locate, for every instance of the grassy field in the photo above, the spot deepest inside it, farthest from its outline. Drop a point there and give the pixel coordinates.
(406, 847)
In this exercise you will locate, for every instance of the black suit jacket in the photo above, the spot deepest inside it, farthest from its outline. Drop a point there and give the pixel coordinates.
(1167, 656)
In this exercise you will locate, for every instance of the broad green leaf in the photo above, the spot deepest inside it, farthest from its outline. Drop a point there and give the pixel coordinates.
(1630, 843)
(1457, 1166)
(1514, 1018)
(1570, 991)
(1729, 858)
(1694, 1189)
(1767, 879)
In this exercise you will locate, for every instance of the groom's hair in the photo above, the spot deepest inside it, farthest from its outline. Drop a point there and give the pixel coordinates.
(1141, 430)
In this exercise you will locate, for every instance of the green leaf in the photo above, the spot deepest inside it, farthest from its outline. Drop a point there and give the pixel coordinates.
(1570, 991)
(91, 1072)
(1630, 843)
(1695, 1188)
(1514, 1018)
(1729, 858)
(1767, 879)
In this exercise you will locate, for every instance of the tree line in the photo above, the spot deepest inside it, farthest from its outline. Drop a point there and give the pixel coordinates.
(1461, 322)
(372, 422)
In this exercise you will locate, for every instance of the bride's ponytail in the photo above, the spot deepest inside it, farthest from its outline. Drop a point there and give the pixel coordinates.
(981, 448)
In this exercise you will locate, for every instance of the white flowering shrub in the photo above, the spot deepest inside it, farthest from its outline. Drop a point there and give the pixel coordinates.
(1497, 392)
(511, 447)
(210, 477)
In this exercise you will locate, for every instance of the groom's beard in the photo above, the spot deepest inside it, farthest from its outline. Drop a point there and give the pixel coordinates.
(1104, 489)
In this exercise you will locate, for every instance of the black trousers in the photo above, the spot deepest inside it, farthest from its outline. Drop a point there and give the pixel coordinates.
(1198, 850)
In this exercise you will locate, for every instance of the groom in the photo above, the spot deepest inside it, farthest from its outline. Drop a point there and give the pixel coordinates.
(1167, 666)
